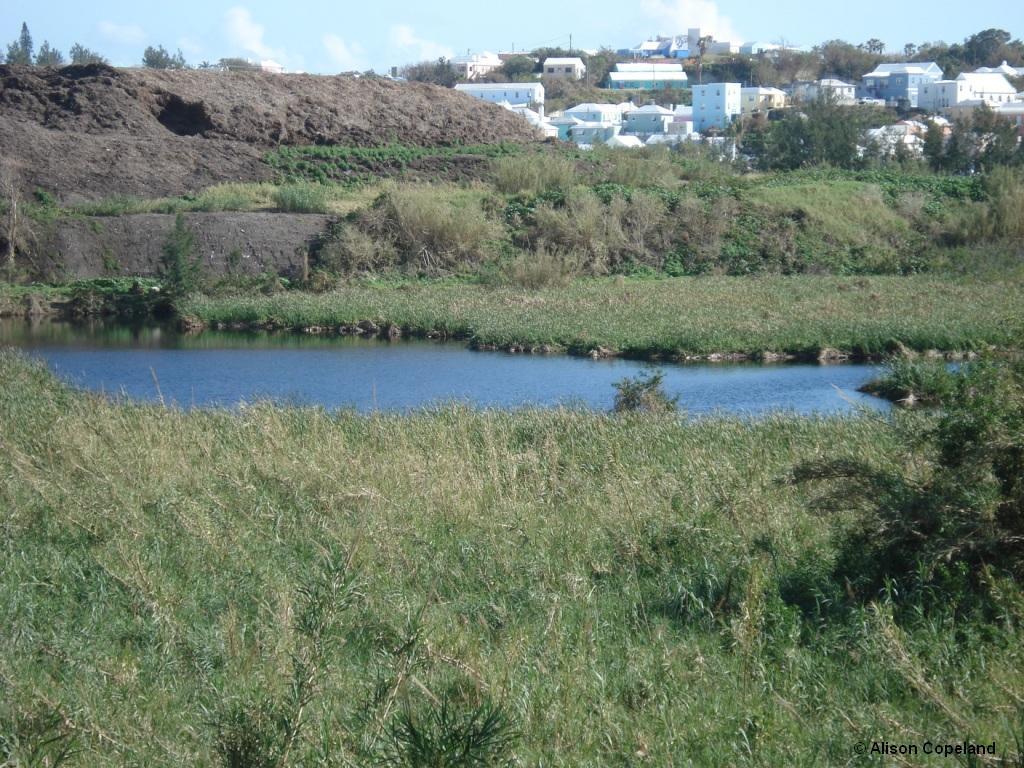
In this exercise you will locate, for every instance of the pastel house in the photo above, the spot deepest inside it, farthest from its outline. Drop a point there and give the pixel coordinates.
(715, 105)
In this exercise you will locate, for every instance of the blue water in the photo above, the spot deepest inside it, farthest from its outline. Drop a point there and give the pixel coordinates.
(225, 369)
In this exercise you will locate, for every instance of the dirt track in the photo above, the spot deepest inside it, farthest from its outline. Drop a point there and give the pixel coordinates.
(91, 132)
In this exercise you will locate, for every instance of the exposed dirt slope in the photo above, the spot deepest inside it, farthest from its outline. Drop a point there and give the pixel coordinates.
(94, 131)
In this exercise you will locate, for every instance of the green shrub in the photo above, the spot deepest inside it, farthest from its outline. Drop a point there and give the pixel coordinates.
(301, 198)
(534, 174)
(644, 393)
(179, 267)
(954, 505)
(542, 268)
(910, 381)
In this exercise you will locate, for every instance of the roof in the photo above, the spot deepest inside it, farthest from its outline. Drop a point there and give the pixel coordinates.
(763, 89)
(624, 141)
(563, 61)
(591, 107)
(988, 82)
(653, 77)
(831, 82)
(906, 68)
(652, 67)
(499, 86)
(651, 109)
(478, 58)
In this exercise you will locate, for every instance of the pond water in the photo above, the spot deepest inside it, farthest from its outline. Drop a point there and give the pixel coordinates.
(225, 369)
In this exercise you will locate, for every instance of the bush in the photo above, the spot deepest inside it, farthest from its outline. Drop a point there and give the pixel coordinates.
(954, 505)
(644, 393)
(909, 382)
(302, 198)
(432, 229)
(446, 737)
(180, 268)
(534, 174)
(544, 268)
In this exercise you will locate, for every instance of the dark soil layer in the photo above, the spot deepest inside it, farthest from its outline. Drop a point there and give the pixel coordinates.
(89, 132)
(226, 244)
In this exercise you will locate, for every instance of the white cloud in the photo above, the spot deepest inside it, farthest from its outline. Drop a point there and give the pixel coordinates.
(247, 36)
(125, 34)
(676, 16)
(345, 57)
(405, 38)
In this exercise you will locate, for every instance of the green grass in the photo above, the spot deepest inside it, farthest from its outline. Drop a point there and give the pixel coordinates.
(798, 315)
(622, 587)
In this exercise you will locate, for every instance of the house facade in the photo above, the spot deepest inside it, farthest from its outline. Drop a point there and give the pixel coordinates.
(842, 92)
(565, 68)
(898, 84)
(761, 99)
(647, 120)
(515, 94)
(473, 65)
(649, 77)
(715, 105)
(970, 89)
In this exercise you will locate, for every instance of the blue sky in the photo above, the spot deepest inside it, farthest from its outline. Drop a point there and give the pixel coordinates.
(323, 36)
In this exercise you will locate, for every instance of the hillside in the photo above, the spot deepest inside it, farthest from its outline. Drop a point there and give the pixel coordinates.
(88, 132)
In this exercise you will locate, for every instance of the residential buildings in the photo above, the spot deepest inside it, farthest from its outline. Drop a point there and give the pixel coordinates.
(567, 68)
(970, 89)
(647, 120)
(715, 105)
(898, 84)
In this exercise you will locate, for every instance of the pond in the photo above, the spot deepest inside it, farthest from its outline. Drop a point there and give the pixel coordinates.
(227, 368)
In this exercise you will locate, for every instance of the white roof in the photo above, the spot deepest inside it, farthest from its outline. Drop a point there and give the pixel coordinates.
(1003, 69)
(478, 58)
(987, 82)
(590, 107)
(499, 87)
(646, 68)
(651, 109)
(563, 62)
(763, 89)
(656, 77)
(624, 141)
(831, 82)
(901, 68)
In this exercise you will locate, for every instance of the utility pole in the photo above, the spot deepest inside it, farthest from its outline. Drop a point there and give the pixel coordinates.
(570, 42)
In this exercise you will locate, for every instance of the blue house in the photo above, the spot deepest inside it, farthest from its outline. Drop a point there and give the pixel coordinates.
(898, 84)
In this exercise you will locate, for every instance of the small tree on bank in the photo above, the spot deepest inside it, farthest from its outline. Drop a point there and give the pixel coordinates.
(180, 267)
(161, 58)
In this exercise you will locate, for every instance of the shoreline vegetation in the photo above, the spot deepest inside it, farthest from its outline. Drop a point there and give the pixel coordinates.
(770, 318)
(287, 579)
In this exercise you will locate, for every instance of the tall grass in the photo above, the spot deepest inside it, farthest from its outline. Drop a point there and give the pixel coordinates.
(534, 174)
(553, 587)
(671, 316)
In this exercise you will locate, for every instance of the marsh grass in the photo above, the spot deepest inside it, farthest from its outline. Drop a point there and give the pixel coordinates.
(801, 315)
(623, 588)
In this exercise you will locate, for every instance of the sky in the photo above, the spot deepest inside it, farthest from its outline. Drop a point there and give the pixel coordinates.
(328, 37)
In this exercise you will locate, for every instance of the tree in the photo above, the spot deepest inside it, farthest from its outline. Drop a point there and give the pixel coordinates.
(518, 68)
(934, 145)
(160, 58)
(909, 50)
(49, 57)
(874, 45)
(437, 72)
(845, 61)
(179, 266)
(20, 51)
(14, 224)
(826, 132)
(81, 55)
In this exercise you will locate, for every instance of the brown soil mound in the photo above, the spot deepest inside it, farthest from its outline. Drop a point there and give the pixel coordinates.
(87, 132)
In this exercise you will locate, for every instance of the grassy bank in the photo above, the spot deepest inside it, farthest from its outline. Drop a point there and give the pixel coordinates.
(620, 591)
(672, 317)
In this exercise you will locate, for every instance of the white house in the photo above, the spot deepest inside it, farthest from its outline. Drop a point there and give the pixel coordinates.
(473, 65)
(969, 89)
(715, 105)
(564, 124)
(761, 99)
(597, 113)
(647, 120)
(646, 76)
(536, 119)
(565, 68)
(759, 46)
(1002, 69)
(516, 94)
(842, 92)
(592, 133)
(906, 135)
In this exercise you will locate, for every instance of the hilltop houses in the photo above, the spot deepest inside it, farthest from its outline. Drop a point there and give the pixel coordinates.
(842, 93)
(761, 99)
(899, 84)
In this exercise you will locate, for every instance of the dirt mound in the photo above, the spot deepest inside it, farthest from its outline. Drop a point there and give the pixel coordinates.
(95, 131)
